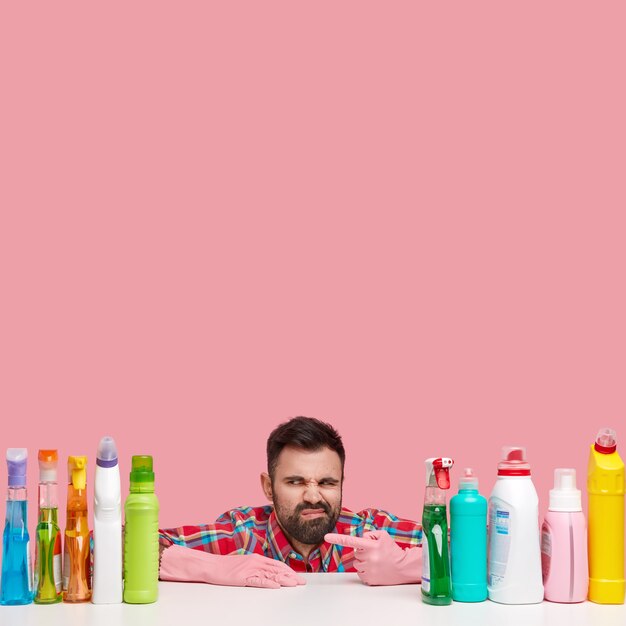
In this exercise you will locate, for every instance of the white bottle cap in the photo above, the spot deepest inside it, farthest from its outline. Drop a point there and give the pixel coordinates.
(565, 496)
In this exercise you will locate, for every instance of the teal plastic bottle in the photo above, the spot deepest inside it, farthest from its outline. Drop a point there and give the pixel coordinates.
(468, 541)
(436, 586)
(141, 535)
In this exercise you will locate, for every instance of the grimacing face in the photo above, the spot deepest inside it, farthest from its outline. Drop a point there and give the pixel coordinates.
(306, 492)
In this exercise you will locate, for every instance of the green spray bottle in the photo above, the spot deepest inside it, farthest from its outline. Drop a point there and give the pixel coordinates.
(141, 535)
(48, 576)
(436, 583)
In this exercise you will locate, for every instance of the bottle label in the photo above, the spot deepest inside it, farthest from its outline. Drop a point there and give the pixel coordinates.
(56, 564)
(499, 540)
(438, 535)
(425, 565)
(66, 567)
(546, 551)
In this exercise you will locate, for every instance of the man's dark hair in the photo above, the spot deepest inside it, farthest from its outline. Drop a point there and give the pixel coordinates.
(307, 433)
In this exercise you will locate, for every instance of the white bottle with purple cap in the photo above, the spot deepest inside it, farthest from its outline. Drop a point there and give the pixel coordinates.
(107, 530)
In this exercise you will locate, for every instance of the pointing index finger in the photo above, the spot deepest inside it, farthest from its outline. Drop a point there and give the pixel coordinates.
(358, 543)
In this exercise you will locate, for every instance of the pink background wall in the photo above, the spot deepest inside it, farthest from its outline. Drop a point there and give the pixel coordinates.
(406, 219)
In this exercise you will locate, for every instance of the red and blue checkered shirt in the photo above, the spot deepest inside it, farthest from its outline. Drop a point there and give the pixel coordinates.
(255, 530)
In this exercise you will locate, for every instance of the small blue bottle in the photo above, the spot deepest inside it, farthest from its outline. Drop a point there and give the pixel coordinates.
(17, 582)
(468, 541)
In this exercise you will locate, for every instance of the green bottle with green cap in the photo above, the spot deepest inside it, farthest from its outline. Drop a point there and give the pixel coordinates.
(141, 535)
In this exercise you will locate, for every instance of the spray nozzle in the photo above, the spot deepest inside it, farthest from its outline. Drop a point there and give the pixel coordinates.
(77, 471)
(438, 472)
(606, 441)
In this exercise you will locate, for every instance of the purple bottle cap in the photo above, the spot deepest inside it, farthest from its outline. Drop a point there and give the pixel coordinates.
(16, 465)
(107, 453)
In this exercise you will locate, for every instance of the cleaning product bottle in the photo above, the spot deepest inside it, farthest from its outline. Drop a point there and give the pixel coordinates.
(48, 580)
(468, 541)
(564, 542)
(436, 587)
(76, 559)
(17, 583)
(605, 487)
(141, 535)
(107, 526)
(514, 565)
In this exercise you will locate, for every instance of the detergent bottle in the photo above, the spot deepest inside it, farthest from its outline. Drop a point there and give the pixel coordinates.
(605, 488)
(564, 542)
(141, 535)
(468, 541)
(514, 567)
(17, 583)
(436, 585)
(77, 557)
(48, 555)
(107, 526)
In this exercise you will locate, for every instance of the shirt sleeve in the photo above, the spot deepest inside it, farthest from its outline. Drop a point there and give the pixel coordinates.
(406, 533)
(232, 533)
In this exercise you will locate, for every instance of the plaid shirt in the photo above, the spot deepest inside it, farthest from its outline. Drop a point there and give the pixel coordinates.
(255, 530)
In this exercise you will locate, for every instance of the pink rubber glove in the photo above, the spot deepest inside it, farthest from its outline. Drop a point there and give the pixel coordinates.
(248, 570)
(380, 560)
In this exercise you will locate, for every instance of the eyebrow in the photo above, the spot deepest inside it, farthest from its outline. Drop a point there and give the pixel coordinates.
(328, 479)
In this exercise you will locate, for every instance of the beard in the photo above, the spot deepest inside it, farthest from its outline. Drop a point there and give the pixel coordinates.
(312, 531)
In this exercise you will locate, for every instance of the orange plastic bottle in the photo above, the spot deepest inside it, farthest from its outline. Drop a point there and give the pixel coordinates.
(76, 559)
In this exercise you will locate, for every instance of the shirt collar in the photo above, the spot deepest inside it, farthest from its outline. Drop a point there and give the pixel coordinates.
(279, 544)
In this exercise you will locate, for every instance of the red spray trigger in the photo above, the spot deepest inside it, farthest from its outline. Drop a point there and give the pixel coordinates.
(442, 472)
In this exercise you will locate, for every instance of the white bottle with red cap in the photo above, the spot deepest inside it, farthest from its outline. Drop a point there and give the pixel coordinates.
(514, 566)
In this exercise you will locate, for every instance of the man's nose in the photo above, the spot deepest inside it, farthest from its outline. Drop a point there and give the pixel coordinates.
(312, 492)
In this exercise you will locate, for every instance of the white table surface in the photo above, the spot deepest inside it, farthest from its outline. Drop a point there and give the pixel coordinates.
(326, 599)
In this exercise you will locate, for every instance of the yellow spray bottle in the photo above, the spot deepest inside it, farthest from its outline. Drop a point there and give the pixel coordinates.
(605, 486)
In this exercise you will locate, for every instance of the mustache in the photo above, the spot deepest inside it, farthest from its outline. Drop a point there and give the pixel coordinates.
(318, 505)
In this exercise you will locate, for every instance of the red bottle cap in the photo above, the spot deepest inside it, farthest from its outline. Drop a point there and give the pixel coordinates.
(513, 462)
